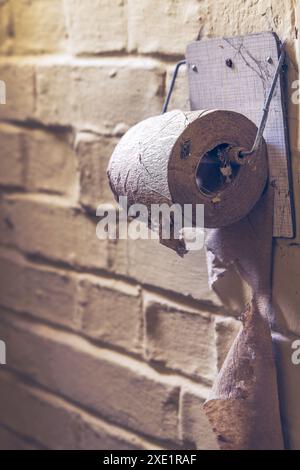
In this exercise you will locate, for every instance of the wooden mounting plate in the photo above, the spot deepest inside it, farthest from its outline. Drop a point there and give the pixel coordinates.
(243, 88)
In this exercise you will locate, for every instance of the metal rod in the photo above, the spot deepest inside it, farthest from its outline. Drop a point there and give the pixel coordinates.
(166, 103)
(266, 108)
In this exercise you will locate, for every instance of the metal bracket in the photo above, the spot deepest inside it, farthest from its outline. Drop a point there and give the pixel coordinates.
(170, 91)
(266, 108)
(240, 74)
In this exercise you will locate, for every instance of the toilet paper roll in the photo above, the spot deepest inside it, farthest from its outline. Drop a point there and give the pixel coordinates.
(178, 157)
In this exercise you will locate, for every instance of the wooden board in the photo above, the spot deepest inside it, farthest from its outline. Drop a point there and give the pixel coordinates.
(242, 85)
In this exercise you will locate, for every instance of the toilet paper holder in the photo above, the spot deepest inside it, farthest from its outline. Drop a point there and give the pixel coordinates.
(246, 72)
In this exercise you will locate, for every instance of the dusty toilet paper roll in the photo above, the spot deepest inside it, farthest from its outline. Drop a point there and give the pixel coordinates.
(179, 158)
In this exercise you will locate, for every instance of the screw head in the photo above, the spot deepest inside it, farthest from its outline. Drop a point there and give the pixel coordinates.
(229, 63)
(194, 68)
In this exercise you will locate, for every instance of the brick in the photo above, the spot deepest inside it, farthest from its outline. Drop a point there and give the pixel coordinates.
(180, 340)
(5, 28)
(165, 28)
(150, 263)
(38, 160)
(56, 423)
(12, 160)
(93, 155)
(288, 384)
(96, 26)
(98, 93)
(293, 118)
(151, 30)
(19, 77)
(296, 188)
(222, 18)
(110, 311)
(51, 162)
(27, 411)
(28, 221)
(10, 441)
(78, 302)
(44, 292)
(226, 332)
(55, 90)
(286, 285)
(105, 382)
(38, 26)
(195, 430)
(97, 434)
